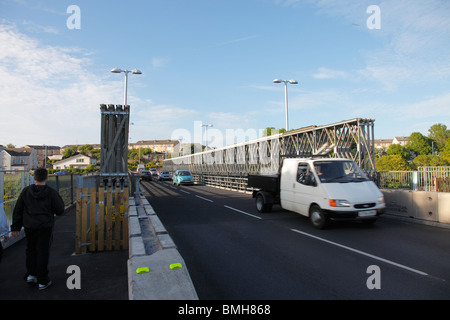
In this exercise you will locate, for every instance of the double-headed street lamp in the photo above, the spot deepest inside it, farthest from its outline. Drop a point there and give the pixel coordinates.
(134, 71)
(286, 96)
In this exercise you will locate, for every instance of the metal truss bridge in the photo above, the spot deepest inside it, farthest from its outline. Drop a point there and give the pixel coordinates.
(352, 139)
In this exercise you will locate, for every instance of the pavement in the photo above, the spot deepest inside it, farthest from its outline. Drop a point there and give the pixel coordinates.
(104, 274)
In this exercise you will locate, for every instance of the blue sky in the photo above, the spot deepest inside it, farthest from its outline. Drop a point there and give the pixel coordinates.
(213, 62)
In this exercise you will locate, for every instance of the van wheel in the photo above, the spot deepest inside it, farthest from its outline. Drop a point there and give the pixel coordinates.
(261, 206)
(317, 217)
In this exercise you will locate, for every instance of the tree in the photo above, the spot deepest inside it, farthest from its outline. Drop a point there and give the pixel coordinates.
(439, 133)
(429, 160)
(85, 149)
(398, 149)
(69, 152)
(271, 131)
(392, 163)
(419, 144)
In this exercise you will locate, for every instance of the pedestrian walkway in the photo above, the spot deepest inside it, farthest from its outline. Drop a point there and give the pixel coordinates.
(103, 274)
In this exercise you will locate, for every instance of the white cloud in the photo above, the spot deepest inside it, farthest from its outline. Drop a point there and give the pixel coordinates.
(49, 95)
(325, 73)
(36, 28)
(414, 39)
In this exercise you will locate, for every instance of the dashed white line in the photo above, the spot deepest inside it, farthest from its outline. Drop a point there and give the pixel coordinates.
(362, 253)
(204, 198)
(185, 191)
(249, 214)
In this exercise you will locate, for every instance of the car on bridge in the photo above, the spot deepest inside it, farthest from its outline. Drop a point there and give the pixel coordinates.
(145, 175)
(164, 175)
(154, 172)
(182, 177)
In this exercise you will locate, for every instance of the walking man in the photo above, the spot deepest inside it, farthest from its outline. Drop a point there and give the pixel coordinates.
(35, 209)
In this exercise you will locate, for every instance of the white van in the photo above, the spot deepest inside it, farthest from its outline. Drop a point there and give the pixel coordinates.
(321, 189)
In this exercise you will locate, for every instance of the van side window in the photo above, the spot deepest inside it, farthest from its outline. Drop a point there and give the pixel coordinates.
(304, 175)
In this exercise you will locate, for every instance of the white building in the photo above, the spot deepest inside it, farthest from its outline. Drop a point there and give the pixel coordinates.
(79, 161)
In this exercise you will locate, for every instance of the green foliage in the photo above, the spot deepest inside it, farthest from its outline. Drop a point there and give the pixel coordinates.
(271, 131)
(396, 149)
(439, 134)
(393, 162)
(429, 160)
(419, 144)
(420, 151)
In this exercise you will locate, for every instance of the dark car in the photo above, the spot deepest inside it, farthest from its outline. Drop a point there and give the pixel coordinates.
(145, 175)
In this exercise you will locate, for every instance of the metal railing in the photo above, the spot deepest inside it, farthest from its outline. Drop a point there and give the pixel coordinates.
(424, 179)
(228, 182)
(12, 183)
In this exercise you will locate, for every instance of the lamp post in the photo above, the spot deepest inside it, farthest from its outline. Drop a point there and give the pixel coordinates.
(206, 134)
(134, 71)
(292, 81)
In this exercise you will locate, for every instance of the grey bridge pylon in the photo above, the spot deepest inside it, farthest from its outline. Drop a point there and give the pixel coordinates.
(352, 139)
(114, 144)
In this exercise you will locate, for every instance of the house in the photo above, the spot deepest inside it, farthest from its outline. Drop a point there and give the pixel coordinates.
(44, 152)
(18, 159)
(382, 143)
(164, 146)
(79, 161)
(400, 140)
(386, 143)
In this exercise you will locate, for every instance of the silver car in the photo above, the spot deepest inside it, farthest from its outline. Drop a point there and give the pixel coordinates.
(164, 175)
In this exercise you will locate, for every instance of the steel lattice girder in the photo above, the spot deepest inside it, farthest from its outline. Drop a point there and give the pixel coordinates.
(114, 141)
(352, 139)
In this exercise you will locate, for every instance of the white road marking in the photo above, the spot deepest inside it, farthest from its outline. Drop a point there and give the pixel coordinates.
(362, 253)
(204, 198)
(185, 191)
(251, 215)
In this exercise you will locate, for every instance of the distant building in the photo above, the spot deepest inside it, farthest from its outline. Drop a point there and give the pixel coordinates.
(386, 143)
(43, 152)
(400, 140)
(79, 161)
(382, 143)
(164, 146)
(18, 159)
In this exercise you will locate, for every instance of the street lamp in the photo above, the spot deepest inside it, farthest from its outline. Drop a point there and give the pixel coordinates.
(206, 134)
(134, 71)
(292, 81)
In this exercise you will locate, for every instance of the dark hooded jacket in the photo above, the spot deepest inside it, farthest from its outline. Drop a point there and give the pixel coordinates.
(35, 208)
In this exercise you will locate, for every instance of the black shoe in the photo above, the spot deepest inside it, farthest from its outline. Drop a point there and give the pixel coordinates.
(31, 280)
(43, 286)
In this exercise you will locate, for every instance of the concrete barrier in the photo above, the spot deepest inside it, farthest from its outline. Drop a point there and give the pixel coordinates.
(152, 247)
(422, 205)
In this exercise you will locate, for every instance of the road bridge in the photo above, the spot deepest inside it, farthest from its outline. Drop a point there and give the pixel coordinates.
(353, 139)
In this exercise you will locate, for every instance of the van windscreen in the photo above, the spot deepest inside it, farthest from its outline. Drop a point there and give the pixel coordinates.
(339, 171)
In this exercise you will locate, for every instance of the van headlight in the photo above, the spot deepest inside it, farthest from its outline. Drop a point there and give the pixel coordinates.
(380, 200)
(339, 203)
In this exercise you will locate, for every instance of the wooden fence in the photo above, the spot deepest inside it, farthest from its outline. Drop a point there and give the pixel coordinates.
(101, 219)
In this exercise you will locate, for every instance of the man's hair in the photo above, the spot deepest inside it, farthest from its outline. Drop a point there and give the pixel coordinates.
(40, 175)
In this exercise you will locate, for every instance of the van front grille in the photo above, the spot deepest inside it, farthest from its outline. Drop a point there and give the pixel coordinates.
(365, 205)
